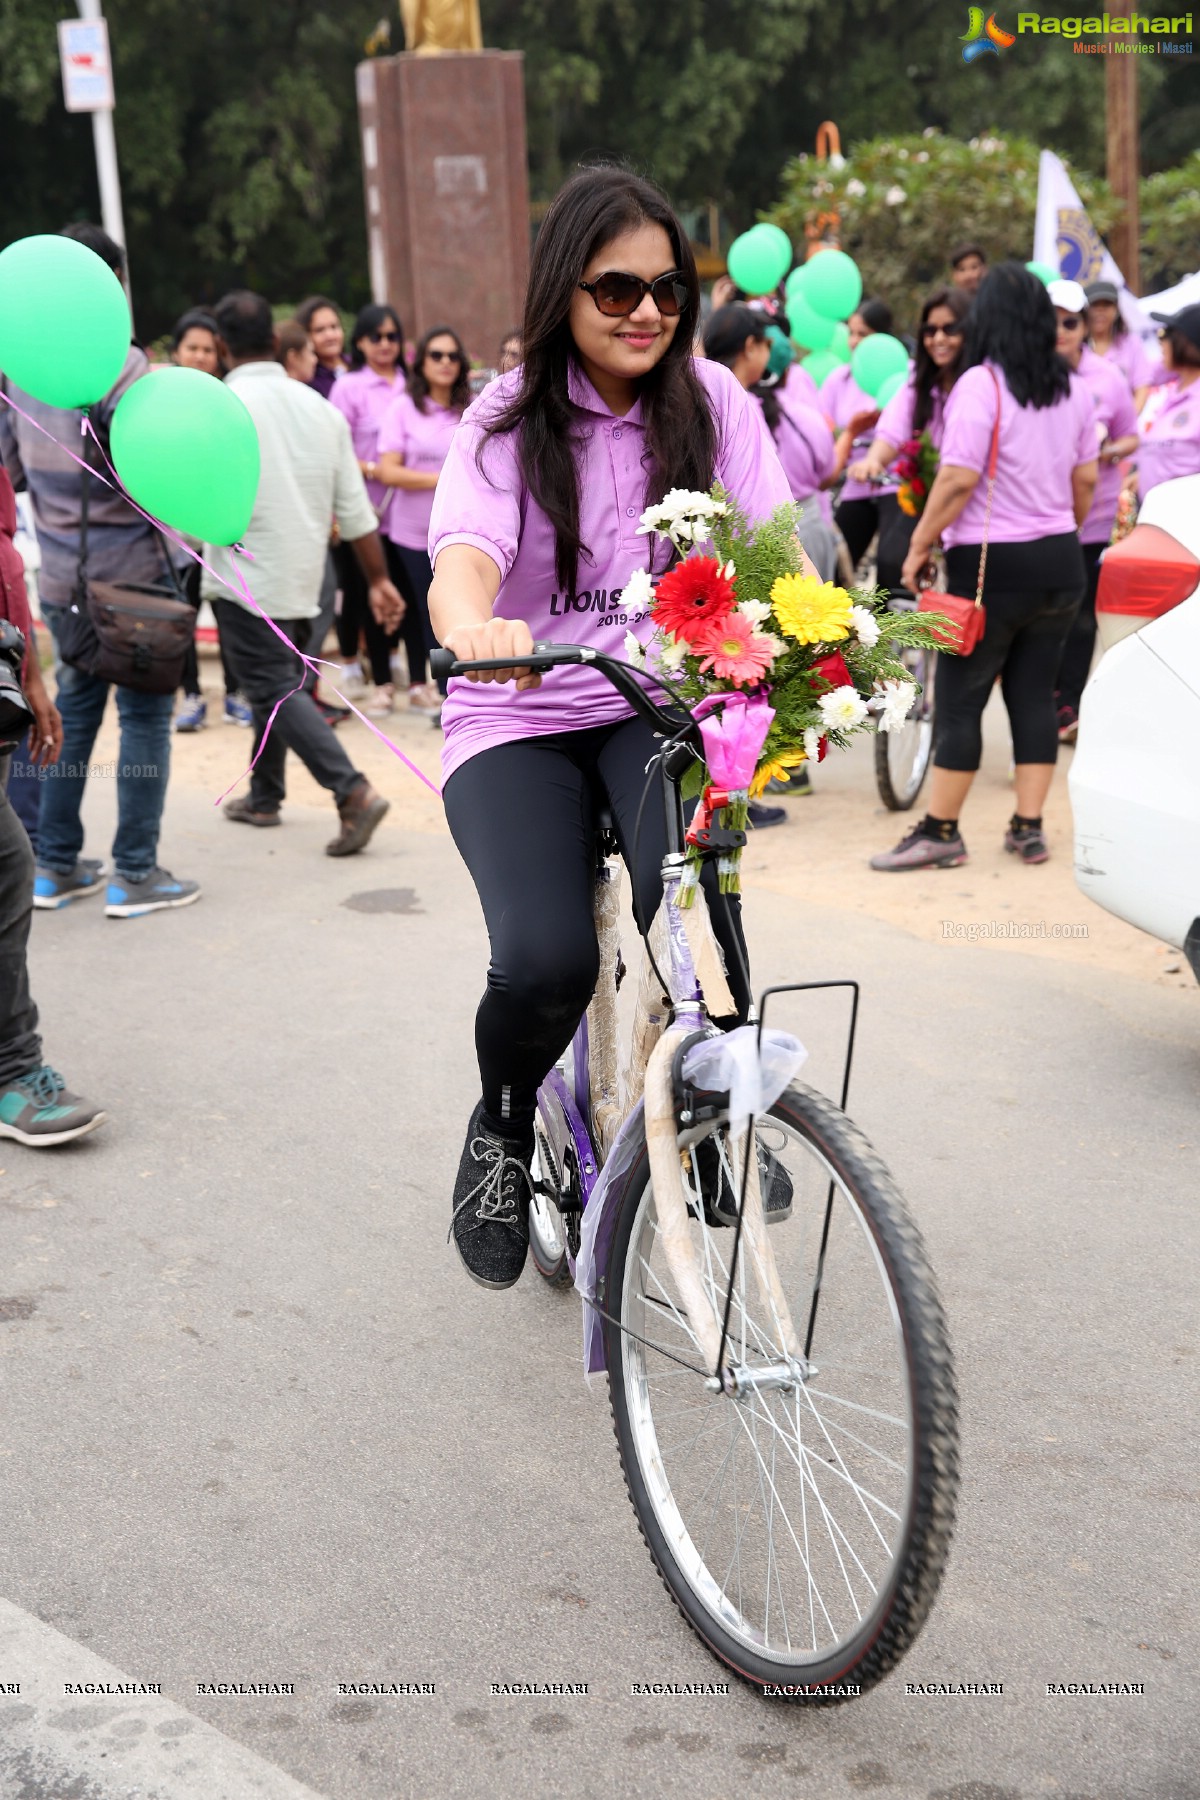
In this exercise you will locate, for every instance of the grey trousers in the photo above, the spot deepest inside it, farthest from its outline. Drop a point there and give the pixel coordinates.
(20, 1045)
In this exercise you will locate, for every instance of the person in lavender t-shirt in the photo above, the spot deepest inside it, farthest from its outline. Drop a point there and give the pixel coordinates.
(322, 320)
(1116, 438)
(863, 507)
(1110, 338)
(414, 441)
(362, 396)
(534, 535)
(919, 406)
(737, 337)
(1044, 483)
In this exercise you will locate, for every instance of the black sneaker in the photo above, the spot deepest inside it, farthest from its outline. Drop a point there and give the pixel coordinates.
(490, 1225)
(762, 816)
(721, 1199)
(1028, 842)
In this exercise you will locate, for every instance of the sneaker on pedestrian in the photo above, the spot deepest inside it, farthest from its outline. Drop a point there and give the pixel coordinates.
(192, 715)
(381, 702)
(1068, 725)
(156, 892)
(798, 781)
(50, 890)
(424, 698)
(348, 679)
(762, 816)
(1028, 842)
(237, 710)
(359, 813)
(721, 1199)
(39, 1109)
(923, 850)
(242, 810)
(490, 1219)
(332, 715)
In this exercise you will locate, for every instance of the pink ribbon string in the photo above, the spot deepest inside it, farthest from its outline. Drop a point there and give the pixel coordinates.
(241, 591)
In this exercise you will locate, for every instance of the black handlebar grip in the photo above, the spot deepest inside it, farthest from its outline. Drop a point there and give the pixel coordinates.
(441, 664)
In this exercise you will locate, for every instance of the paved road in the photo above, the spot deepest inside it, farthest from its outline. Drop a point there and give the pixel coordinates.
(258, 1426)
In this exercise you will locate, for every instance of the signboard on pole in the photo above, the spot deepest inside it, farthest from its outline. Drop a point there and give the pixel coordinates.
(86, 66)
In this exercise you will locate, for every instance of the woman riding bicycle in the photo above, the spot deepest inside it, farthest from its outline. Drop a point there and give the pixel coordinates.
(535, 535)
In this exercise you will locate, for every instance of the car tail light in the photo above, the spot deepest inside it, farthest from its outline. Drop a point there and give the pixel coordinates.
(1146, 574)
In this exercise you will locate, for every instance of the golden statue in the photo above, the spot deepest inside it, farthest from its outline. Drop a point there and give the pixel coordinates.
(431, 26)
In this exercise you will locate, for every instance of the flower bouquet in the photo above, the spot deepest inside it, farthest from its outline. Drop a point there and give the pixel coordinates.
(916, 465)
(774, 664)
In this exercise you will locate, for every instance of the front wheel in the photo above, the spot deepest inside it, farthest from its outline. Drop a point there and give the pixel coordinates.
(902, 757)
(801, 1527)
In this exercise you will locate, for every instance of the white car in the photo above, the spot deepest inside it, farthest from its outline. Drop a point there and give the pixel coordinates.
(1135, 778)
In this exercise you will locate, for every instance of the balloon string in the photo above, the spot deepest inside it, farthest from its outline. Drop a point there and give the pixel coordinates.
(311, 663)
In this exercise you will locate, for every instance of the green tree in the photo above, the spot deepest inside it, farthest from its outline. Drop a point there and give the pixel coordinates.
(1170, 225)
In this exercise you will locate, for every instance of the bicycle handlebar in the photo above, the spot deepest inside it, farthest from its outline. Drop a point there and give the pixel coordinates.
(546, 656)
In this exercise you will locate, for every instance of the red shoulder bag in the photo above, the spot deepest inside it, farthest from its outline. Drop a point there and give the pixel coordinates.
(968, 617)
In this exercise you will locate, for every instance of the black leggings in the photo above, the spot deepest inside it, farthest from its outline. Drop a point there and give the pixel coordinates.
(522, 815)
(1030, 596)
(356, 620)
(416, 629)
(1076, 663)
(859, 520)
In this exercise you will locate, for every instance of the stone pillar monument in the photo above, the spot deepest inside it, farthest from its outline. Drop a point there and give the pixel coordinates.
(447, 188)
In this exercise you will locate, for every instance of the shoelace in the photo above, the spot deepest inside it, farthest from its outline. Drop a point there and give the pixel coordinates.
(43, 1085)
(497, 1192)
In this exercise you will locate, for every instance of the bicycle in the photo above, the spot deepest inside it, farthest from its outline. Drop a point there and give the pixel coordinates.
(782, 1393)
(903, 756)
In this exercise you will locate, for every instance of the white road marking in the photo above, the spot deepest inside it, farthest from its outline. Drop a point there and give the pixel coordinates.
(113, 1746)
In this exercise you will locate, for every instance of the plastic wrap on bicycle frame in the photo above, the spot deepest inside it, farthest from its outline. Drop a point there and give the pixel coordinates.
(729, 1062)
(753, 1076)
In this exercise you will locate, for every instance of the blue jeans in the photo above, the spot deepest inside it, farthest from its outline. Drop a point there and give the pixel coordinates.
(143, 765)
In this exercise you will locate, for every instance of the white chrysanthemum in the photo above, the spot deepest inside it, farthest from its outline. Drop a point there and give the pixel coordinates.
(671, 654)
(895, 196)
(866, 625)
(757, 611)
(633, 651)
(729, 572)
(681, 506)
(777, 645)
(898, 697)
(638, 592)
(842, 710)
(855, 188)
(812, 744)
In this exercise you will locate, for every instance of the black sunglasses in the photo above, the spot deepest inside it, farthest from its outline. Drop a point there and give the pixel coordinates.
(443, 356)
(931, 331)
(1070, 324)
(384, 337)
(617, 295)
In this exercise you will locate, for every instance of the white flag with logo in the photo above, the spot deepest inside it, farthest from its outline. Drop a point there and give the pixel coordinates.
(1065, 238)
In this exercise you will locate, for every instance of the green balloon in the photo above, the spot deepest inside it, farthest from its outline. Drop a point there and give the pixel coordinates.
(186, 449)
(757, 262)
(792, 285)
(832, 284)
(841, 341)
(891, 387)
(64, 321)
(875, 359)
(821, 364)
(1043, 271)
(808, 327)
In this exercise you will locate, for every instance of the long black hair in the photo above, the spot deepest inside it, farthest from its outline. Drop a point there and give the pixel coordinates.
(369, 319)
(595, 206)
(1013, 323)
(926, 374)
(875, 314)
(418, 387)
(725, 337)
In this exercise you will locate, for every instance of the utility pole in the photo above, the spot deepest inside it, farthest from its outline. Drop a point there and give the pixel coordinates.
(1121, 126)
(97, 98)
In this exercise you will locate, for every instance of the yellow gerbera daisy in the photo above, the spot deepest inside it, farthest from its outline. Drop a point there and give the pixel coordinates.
(811, 611)
(777, 769)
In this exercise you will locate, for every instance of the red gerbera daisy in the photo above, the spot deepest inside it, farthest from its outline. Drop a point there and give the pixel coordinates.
(694, 594)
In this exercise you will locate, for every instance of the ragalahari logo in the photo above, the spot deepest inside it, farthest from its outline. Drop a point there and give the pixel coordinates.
(984, 38)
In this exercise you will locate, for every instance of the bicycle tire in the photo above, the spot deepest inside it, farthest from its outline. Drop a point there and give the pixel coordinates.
(904, 1604)
(898, 795)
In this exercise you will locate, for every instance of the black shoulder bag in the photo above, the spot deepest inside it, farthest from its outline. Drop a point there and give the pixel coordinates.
(132, 633)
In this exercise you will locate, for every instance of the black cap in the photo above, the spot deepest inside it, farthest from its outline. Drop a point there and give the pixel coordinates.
(1186, 321)
(1102, 290)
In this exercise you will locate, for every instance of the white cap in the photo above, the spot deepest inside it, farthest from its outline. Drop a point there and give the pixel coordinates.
(1068, 295)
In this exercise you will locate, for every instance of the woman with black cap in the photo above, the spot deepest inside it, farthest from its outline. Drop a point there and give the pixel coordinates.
(1109, 336)
(1169, 426)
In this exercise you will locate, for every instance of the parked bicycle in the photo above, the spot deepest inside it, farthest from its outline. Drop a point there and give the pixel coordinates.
(903, 756)
(778, 1361)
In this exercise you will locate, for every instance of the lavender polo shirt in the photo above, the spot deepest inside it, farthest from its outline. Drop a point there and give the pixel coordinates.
(1115, 416)
(895, 425)
(1129, 354)
(841, 399)
(805, 444)
(423, 439)
(1170, 434)
(1039, 447)
(362, 397)
(494, 512)
(799, 385)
